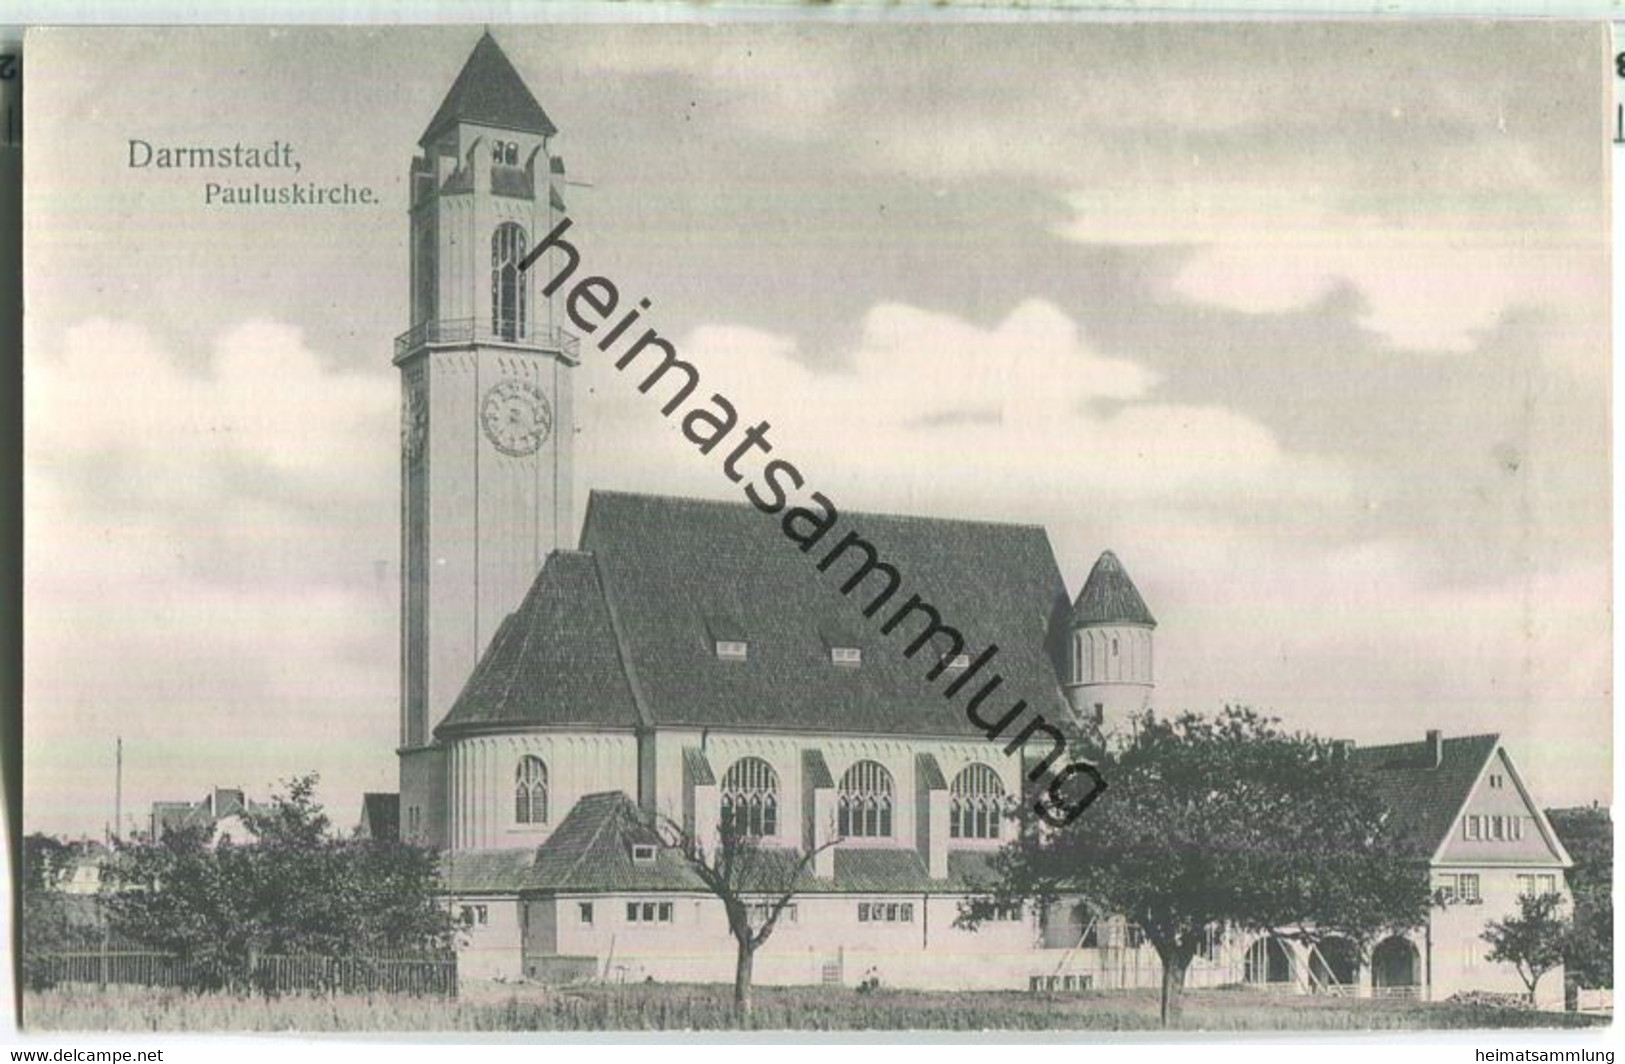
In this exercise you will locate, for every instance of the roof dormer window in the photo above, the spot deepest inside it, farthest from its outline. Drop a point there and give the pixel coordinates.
(728, 637)
(643, 853)
(846, 655)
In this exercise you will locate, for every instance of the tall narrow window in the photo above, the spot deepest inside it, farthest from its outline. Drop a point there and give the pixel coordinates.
(865, 804)
(750, 798)
(976, 805)
(508, 246)
(530, 791)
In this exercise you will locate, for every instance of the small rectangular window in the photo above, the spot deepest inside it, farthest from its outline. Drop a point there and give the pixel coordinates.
(664, 914)
(863, 912)
(1469, 887)
(846, 655)
(643, 853)
(1470, 827)
(906, 914)
(648, 912)
(891, 914)
(732, 650)
(585, 908)
(1516, 824)
(1447, 888)
(1548, 884)
(631, 912)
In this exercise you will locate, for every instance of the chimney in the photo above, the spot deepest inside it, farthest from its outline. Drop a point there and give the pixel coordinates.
(1435, 751)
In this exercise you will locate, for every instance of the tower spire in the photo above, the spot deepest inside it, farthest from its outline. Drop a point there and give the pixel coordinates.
(489, 92)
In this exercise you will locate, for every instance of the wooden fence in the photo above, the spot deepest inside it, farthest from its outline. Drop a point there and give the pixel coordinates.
(263, 973)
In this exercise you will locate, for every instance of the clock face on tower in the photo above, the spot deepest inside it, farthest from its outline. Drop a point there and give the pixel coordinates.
(516, 417)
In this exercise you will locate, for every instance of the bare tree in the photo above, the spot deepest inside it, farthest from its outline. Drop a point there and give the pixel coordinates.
(755, 884)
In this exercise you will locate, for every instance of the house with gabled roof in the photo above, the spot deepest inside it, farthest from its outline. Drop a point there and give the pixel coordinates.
(225, 810)
(1487, 841)
(680, 657)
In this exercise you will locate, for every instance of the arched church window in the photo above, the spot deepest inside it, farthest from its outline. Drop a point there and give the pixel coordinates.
(865, 803)
(750, 798)
(976, 804)
(530, 791)
(508, 246)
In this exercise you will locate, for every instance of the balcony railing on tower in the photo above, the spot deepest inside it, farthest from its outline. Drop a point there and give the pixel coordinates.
(450, 331)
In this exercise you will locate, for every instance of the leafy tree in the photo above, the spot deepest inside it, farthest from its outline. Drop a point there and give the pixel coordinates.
(1213, 826)
(46, 858)
(754, 883)
(295, 888)
(52, 921)
(1533, 940)
(1587, 833)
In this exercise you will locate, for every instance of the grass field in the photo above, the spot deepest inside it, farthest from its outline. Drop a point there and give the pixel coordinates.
(496, 1008)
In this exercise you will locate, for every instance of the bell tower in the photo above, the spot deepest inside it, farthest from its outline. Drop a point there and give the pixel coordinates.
(486, 413)
(1111, 678)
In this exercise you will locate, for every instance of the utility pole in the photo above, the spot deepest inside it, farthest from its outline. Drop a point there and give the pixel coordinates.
(118, 789)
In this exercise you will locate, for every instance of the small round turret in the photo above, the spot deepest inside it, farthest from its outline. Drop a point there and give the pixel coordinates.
(1111, 653)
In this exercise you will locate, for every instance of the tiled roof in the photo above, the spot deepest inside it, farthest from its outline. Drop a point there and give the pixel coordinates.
(815, 770)
(1110, 597)
(486, 871)
(592, 850)
(489, 91)
(553, 661)
(671, 567)
(1423, 800)
(930, 773)
(381, 813)
(696, 769)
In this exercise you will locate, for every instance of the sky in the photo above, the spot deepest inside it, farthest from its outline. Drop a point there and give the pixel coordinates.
(1309, 323)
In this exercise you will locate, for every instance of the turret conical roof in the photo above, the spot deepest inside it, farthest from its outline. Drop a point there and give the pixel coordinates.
(1110, 597)
(490, 92)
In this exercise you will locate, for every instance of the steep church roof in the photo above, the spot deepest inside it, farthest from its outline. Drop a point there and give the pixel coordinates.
(554, 661)
(1110, 597)
(624, 631)
(489, 92)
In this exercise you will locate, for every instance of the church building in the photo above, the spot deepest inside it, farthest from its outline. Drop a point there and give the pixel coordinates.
(677, 657)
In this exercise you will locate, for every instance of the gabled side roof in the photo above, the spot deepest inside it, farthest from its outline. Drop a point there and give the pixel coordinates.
(554, 661)
(591, 852)
(489, 92)
(381, 815)
(1425, 802)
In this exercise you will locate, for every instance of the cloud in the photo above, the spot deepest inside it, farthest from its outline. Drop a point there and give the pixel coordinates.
(209, 566)
(954, 418)
(1429, 283)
